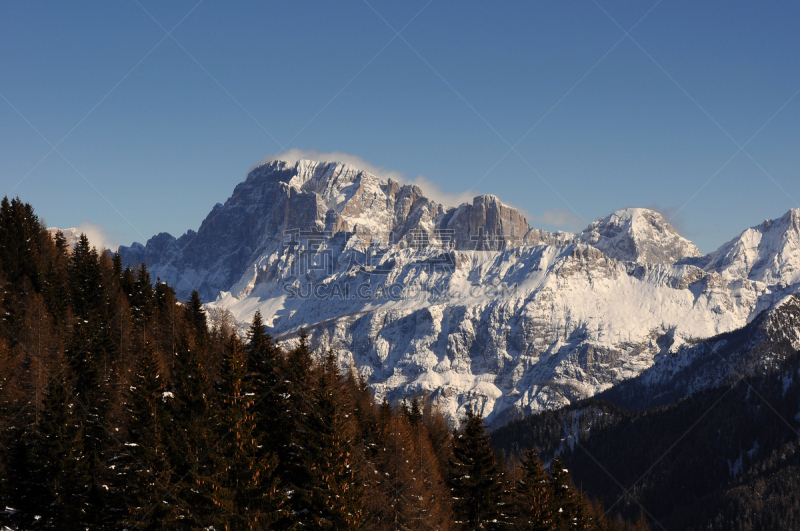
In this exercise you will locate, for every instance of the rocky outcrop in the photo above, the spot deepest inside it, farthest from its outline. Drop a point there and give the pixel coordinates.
(486, 225)
(768, 253)
(638, 235)
(279, 201)
(468, 304)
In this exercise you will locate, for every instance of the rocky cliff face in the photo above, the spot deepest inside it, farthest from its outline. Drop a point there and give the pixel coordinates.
(468, 304)
(279, 199)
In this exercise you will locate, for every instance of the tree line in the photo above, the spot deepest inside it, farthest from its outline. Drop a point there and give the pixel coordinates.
(122, 407)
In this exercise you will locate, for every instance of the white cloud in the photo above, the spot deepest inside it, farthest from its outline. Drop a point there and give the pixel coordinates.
(430, 189)
(433, 191)
(98, 236)
(673, 215)
(295, 154)
(561, 218)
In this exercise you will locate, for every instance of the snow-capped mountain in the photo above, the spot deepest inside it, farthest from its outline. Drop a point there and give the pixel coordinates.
(768, 254)
(94, 233)
(71, 235)
(638, 235)
(468, 303)
(332, 199)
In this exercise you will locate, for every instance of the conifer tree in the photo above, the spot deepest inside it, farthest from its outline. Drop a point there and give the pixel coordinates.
(413, 495)
(432, 500)
(439, 433)
(60, 467)
(569, 510)
(148, 473)
(127, 283)
(414, 412)
(363, 403)
(142, 304)
(236, 482)
(333, 494)
(92, 355)
(86, 285)
(266, 384)
(116, 261)
(197, 319)
(264, 365)
(189, 421)
(299, 403)
(475, 478)
(168, 323)
(20, 247)
(397, 485)
(300, 363)
(16, 461)
(385, 414)
(55, 288)
(533, 496)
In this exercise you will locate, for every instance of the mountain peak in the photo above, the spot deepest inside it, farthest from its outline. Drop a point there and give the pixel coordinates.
(789, 221)
(638, 235)
(344, 252)
(766, 253)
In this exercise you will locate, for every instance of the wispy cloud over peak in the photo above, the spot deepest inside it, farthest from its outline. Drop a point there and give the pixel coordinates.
(429, 188)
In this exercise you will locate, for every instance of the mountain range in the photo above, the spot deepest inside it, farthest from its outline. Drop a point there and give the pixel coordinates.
(469, 304)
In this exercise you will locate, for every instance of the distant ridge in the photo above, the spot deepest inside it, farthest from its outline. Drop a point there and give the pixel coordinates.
(469, 303)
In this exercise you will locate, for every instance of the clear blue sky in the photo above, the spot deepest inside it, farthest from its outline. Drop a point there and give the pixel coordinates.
(159, 130)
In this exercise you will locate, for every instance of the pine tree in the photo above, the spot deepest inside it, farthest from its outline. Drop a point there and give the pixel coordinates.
(55, 288)
(296, 412)
(431, 499)
(142, 304)
(116, 260)
(266, 383)
(533, 496)
(414, 412)
(127, 283)
(61, 468)
(475, 478)
(168, 323)
(300, 363)
(20, 248)
(189, 424)
(384, 415)
(147, 469)
(394, 508)
(570, 510)
(92, 355)
(236, 482)
(364, 410)
(264, 379)
(412, 493)
(197, 319)
(333, 495)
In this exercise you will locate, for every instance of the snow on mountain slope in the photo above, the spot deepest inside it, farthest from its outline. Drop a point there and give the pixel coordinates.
(713, 362)
(279, 201)
(468, 304)
(638, 235)
(768, 253)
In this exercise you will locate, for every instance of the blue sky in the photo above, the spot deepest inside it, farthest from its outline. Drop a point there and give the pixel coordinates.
(549, 105)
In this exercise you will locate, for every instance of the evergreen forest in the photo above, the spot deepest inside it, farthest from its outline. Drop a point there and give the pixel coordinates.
(122, 407)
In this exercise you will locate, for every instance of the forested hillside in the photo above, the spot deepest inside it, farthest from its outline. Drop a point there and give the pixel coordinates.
(124, 408)
(722, 459)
